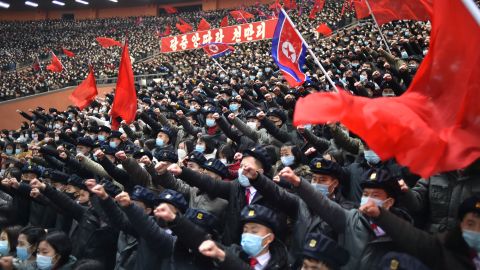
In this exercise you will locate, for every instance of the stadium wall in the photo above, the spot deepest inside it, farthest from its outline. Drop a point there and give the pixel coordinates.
(10, 119)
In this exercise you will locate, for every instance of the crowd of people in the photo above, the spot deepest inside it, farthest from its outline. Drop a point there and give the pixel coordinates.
(213, 175)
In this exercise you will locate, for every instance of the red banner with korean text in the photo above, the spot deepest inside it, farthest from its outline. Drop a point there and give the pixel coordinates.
(232, 34)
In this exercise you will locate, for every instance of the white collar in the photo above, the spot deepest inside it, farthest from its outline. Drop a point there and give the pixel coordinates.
(263, 259)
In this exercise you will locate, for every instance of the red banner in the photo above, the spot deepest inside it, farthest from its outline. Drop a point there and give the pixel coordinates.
(231, 34)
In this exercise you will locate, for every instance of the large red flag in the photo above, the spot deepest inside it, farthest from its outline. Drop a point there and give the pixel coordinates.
(203, 25)
(68, 53)
(86, 92)
(390, 10)
(224, 22)
(170, 9)
(434, 126)
(317, 7)
(183, 28)
(108, 42)
(324, 29)
(125, 100)
(55, 65)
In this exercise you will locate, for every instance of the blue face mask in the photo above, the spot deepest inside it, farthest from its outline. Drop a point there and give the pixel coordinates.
(101, 138)
(18, 151)
(44, 262)
(252, 244)
(288, 160)
(200, 148)
(472, 238)
(113, 144)
(192, 109)
(242, 179)
(9, 151)
(377, 202)
(159, 142)
(22, 253)
(210, 122)
(371, 157)
(4, 248)
(321, 188)
(233, 107)
(308, 127)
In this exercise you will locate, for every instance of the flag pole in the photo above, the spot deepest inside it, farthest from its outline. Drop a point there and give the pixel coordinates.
(315, 59)
(378, 27)
(218, 64)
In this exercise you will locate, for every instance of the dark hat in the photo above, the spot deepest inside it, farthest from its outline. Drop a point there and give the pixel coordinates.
(251, 114)
(202, 218)
(197, 157)
(31, 169)
(216, 166)
(107, 150)
(85, 141)
(144, 195)
(110, 188)
(55, 176)
(169, 132)
(383, 179)
(260, 154)
(278, 113)
(104, 128)
(260, 214)
(77, 181)
(175, 198)
(115, 134)
(320, 247)
(310, 84)
(469, 205)
(326, 167)
(400, 261)
(142, 152)
(166, 155)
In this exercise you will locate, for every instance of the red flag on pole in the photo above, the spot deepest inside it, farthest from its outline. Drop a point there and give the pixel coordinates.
(241, 14)
(203, 25)
(434, 126)
(224, 22)
(317, 7)
(170, 9)
(55, 65)
(183, 26)
(125, 100)
(324, 29)
(68, 53)
(217, 49)
(390, 10)
(86, 92)
(108, 42)
(168, 31)
(275, 6)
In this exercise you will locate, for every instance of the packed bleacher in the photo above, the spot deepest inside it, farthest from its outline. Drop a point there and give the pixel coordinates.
(212, 173)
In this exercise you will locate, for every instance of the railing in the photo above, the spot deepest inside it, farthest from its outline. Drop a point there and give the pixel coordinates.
(138, 78)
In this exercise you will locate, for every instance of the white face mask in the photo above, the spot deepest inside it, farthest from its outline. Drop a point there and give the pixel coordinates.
(252, 125)
(377, 202)
(181, 154)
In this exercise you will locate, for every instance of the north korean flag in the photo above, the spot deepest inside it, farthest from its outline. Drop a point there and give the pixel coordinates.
(289, 51)
(217, 49)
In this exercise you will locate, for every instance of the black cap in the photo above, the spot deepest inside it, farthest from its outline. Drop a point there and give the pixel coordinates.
(326, 167)
(400, 261)
(55, 176)
(32, 169)
(469, 205)
(256, 213)
(202, 218)
(260, 154)
(216, 166)
(107, 150)
(197, 157)
(142, 152)
(251, 114)
(169, 132)
(115, 134)
(110, 187)
(383, 179)
(321, 248)
(85, 141)
(278, 113)
(166, 155)
(144, 195)
(104, 128)
(175, 198)
(77, 181)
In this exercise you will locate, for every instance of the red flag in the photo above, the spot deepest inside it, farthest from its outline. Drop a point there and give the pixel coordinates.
(170, 9)
(261, 13)
(86, 92)
(390, 10)
(433, 127)
(241, 14)
(68, 53)
(182, 21)
(203, 25)
(108, 42)
(289, 4)
(324, 29)
(125, 100)
(168, 31)
(317, 7)
(275, 6)
(217, 49)
(184, 28)
(55, 65)
(224, 22)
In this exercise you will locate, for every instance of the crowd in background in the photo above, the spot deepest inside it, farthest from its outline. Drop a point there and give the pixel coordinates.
(213, 175)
